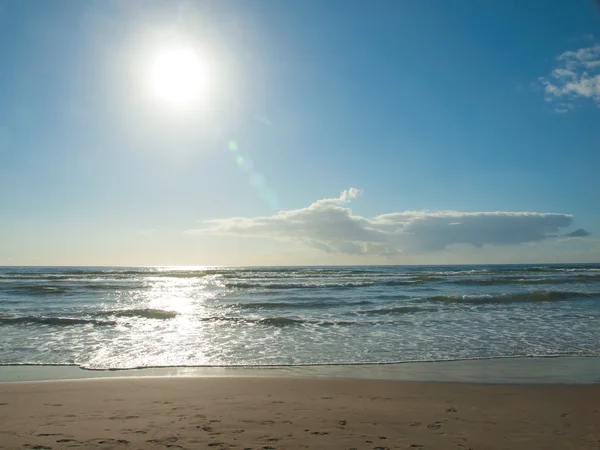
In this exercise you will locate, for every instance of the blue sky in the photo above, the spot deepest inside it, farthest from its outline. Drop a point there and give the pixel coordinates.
(338, 132)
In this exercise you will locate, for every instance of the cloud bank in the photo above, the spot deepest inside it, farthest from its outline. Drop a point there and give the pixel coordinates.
(576, 76)
(330, 225)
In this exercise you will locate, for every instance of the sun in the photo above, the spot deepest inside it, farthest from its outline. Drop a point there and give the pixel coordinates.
(179, 76)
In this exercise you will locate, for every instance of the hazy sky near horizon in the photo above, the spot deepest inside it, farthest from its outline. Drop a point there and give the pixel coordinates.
(290, 133)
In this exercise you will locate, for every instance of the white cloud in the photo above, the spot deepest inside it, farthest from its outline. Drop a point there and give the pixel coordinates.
(576, 76)
(329, 226)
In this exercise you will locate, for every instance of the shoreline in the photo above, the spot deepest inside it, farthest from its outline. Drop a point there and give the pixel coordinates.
(508, 370)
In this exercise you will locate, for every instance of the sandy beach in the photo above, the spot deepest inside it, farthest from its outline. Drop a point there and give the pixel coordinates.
(289, 413)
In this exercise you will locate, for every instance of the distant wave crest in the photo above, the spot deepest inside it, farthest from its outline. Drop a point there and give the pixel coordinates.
(292, 285)
(541, 296)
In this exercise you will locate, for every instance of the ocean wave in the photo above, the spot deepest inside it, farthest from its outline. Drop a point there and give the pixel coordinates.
(34, 289)
(587, 277)
(300, 304)
(366, 282)
(10, 302)
(272, 321)
(284, 286)
(293, 321)
(145, 313)
(295, 273)
(452, 271)
(110, 286)
(280, 321)
(413, 281)
(54, 321)
(541, 296)
(397, 310)
(575, 268)
(576, 279)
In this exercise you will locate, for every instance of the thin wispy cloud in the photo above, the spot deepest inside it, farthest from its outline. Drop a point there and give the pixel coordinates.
(331, 226)
(575, 77)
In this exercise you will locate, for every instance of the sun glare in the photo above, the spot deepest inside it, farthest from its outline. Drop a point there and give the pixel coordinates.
(179, 76)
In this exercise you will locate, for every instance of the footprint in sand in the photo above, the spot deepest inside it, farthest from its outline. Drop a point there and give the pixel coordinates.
(164, 441)
(267, 422)
(129, 431)
(108, 441)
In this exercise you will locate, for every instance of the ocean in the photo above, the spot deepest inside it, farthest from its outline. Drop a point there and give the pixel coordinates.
(136, 317)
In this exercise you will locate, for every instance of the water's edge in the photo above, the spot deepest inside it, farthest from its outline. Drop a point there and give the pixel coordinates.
(546, 370)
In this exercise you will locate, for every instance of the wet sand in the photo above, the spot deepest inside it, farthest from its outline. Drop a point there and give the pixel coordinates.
(290, 413)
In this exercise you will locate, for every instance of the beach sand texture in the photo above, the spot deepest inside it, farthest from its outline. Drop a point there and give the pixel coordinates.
(288, 413)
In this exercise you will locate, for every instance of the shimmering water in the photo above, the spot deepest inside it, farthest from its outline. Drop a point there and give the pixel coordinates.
(163, 316)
